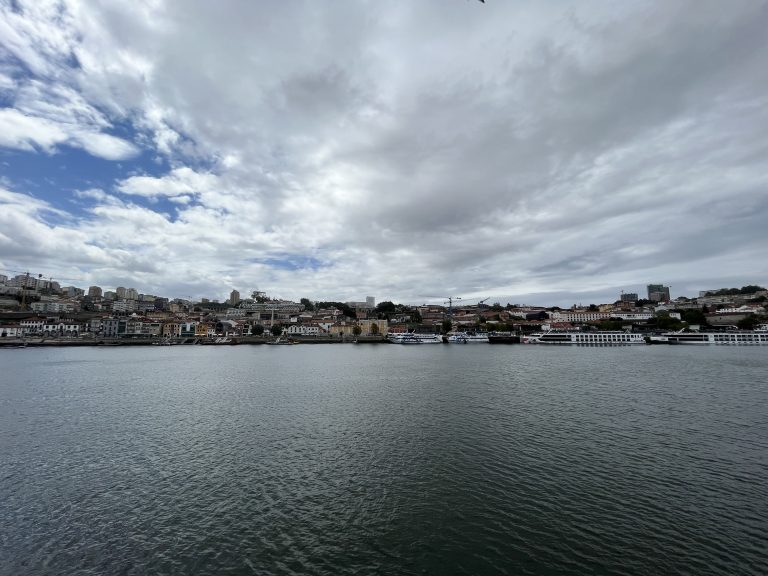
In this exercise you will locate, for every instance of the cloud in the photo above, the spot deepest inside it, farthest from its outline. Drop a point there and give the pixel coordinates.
(27, 132)
(181, 182)
(413, 149)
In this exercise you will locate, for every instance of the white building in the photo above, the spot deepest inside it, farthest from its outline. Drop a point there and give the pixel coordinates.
(11, 331)
(583, 316)
(303, 330)
(54, 307)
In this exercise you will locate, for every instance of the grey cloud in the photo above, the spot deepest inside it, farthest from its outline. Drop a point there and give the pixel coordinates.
(416, 147)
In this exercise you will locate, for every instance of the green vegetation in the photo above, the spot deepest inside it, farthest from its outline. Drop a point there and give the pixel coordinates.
(345, 309)
(386, 310)
(663, 321)
(357, 330)
(611, 324)
(751, 322)
(307, 304)
(374, 329)
(276, 330)
(257, 329)
(750, 289)
(694, 317)
(446, 326)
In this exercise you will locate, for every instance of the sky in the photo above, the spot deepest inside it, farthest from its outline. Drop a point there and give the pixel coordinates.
(532, 152)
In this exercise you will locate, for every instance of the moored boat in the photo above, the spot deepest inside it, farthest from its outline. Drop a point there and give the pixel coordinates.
(601, 338)
(404, 338)
(466, 338)
(735, 338)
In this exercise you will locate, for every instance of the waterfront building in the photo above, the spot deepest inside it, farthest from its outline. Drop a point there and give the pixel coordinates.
(11, 331)
(366, 326)
(304, 330)
(578, 316)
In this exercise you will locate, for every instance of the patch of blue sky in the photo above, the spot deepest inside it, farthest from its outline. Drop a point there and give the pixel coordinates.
(57, 177)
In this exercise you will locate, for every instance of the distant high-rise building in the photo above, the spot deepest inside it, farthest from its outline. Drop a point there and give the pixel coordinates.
(94, 292)
(120, 291)
(658, 293)
(131, 294)
(234, 297)
(110, 295)
(370, 301)
(629, 297)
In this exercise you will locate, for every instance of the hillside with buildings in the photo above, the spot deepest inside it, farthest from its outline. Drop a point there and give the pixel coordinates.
(33, 307)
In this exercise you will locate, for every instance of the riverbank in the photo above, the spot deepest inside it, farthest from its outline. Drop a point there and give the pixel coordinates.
(217, 341)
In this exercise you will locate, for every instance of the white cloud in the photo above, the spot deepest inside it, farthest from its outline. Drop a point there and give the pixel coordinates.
(27, 132)
(180, 182)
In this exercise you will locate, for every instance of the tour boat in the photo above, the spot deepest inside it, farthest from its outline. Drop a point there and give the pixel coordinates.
(736, 338)
(464, 338)
(602, 338)
(403, 338)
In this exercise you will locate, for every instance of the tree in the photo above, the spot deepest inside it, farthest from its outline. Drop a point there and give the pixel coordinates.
(356, 330)
(610, 325)
(346, 310)
(276, 330)
(385, 308)
(414, 314)
(447, 325)
(694, 317)
(748, 323)
(259, 296)
(307, 304)
(593, 307)
(374, 328)
(257, 329)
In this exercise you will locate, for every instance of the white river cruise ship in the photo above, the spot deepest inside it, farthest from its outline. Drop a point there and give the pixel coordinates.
(603, 338)
(740, 338)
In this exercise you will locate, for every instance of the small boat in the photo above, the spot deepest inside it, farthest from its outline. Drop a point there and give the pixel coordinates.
(404, 338)
(281, 342)
(466, 338)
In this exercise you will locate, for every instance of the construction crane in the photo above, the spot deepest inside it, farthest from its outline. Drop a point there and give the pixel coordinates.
(449, 301)
(483, 300)
(23, 304)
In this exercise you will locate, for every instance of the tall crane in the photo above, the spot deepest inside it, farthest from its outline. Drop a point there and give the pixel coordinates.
(24, 292)
(449, 301)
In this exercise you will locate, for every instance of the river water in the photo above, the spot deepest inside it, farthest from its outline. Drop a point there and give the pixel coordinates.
(384, 459)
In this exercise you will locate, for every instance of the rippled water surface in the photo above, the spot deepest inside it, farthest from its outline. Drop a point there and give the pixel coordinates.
(384, 460)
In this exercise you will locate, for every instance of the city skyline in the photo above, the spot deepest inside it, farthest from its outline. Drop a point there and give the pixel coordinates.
(654, 293)
(530, 153)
